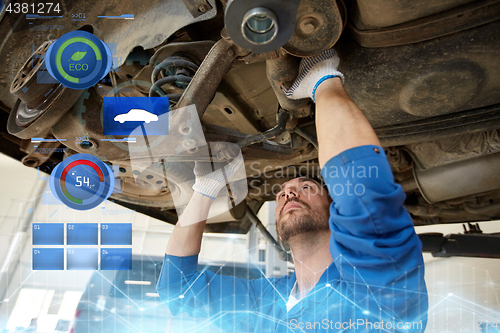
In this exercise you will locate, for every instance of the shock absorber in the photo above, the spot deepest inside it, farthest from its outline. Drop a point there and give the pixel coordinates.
(176, 71)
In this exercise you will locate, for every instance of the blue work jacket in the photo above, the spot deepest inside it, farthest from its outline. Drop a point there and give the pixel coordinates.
(374, 284)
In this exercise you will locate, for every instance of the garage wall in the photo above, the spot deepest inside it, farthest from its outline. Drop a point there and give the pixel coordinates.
(464, 293)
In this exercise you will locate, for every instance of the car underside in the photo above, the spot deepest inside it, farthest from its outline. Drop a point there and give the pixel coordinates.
(424, 73)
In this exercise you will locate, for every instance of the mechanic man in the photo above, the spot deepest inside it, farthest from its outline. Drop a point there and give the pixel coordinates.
(358, 262)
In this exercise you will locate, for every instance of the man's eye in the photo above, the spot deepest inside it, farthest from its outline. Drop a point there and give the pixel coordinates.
(306, 186)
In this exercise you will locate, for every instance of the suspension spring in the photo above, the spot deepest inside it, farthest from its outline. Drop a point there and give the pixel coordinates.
(177, 71)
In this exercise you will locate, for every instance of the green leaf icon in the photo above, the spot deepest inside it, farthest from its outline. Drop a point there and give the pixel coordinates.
(78, 56)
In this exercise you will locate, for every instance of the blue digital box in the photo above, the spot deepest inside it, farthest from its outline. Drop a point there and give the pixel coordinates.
(82, 258)
(48, 259)
(116, 259)
(48, 233)
(82, 233)
(116, 233)
(135, 116)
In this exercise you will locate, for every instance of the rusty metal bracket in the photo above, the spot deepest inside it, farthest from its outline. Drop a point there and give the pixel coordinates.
(319, 25)
(37, 153)
(454, 20)
(197, 7)
(205, 82)
(283, 71)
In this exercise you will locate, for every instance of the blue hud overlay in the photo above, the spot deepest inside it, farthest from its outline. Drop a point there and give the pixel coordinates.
(116, 259)
(48, 259)
(122, 115)
(82, 233)
(116, 234)
(82, 259)
(48, 233)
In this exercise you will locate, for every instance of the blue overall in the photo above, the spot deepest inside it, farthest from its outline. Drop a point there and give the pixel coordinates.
(374, 284)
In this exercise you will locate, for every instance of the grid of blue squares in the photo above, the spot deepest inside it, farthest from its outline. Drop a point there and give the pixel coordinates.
(82, 234)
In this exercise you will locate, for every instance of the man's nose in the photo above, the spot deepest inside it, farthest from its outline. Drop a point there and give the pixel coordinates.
(291, 192)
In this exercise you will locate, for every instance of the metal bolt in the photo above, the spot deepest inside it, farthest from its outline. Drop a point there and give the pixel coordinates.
(308, 25)
(185, 130)
(203, 8)
(189, 143)
(308, 28)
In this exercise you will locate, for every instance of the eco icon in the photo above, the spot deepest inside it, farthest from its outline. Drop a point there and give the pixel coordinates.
(78, 60)
(77, 56)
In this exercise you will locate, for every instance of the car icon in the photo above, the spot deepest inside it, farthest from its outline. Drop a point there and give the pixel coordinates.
(136, 115)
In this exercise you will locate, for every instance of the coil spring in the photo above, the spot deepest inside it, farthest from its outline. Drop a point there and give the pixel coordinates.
(176, 70)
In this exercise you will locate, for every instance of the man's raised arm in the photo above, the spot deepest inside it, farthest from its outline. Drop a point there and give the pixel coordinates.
(185, 239)
(227, 301)
(373, 242)
(340, 124)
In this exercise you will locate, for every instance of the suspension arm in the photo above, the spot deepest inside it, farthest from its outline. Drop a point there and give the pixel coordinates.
(205, 82)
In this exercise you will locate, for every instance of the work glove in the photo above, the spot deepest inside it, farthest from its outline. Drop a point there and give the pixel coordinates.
(208, 182)
(312, 72)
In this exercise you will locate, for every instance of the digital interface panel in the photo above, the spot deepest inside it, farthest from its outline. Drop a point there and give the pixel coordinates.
(114, 137)
(82, 234)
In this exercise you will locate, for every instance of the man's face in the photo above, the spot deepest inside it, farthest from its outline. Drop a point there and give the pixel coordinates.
(302, 206)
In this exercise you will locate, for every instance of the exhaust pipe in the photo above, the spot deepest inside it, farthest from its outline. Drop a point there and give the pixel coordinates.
(459, 179)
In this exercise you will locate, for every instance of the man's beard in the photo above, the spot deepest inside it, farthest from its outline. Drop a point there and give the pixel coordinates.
(313, 221)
